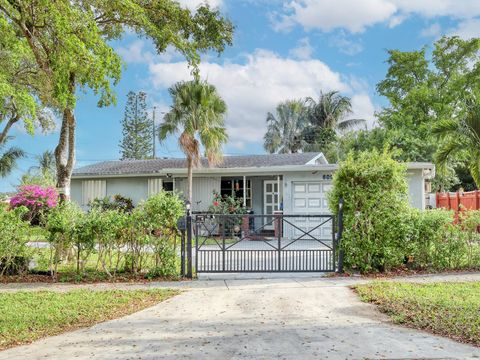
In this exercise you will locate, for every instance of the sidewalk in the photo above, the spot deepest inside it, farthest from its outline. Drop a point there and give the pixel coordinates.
(281, 318)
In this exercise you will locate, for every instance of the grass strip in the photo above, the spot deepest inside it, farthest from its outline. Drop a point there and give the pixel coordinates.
(448, 309)
(26, 316)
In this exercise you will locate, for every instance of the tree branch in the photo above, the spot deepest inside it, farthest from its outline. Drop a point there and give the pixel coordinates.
(10, 123)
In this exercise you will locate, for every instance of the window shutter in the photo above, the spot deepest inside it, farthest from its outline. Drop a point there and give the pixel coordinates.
(93, 189)
(154, 186)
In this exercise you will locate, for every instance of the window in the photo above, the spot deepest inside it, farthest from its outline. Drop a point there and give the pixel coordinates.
(93, 189)
(168, 186)
(234, 187)
(154, 186)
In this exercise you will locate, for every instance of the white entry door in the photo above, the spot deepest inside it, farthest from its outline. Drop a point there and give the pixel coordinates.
(270, 200)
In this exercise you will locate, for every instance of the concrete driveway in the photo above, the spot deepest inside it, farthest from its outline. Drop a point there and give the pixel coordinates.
(279, 318)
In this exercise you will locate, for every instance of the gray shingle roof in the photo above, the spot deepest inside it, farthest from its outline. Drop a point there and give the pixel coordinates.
(152, 166)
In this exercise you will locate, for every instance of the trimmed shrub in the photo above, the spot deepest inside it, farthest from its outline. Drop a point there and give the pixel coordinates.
(14, 236)
(161, 213)
(118, 202)
(381, 230)
(376, 210)
(140, 241)
(38, 200)
(431, 231)
(437, 242)
(61, 223)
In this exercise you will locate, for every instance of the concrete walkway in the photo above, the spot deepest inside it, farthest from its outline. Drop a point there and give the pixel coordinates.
(300, 317)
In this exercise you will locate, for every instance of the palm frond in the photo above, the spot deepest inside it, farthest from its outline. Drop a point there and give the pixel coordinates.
(285, 127)
(474, 168)
(350, 123)
(8, 160)
(472, 125)
(445, 151)
(445, 127)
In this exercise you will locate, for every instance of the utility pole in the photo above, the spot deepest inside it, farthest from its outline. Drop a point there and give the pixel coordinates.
(136, 124)
(153, 132)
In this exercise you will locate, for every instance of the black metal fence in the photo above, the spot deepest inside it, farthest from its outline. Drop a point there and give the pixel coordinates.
(259, 243)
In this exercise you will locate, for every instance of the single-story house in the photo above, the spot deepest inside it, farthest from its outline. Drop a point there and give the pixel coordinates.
(295, 183)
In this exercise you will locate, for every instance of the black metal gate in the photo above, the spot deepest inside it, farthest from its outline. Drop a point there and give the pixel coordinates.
(263, 243)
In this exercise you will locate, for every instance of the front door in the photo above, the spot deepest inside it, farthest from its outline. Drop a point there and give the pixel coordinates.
(270, 200)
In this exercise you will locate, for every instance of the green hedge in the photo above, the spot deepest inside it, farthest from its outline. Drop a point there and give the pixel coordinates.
(382, 231)
(374, 190)
(137, 241)
(143, 240)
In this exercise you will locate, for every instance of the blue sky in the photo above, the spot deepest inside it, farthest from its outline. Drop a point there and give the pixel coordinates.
(283, 49)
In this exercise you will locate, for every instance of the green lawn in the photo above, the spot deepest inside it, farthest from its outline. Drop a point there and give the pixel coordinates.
(28, 316)
(449, 309)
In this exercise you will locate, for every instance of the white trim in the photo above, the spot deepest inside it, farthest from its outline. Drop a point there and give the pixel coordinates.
(278, 187)
(245, 192)
(272, 203)
(314, 160)
(273, 170)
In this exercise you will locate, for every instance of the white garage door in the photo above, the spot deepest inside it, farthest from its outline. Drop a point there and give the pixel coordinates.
(310, 198)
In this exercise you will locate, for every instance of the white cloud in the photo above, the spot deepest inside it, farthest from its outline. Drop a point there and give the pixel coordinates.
(396, 20)
(363, 108)
(303, 51)
(352, 15)
(194, 4)
(255, 87)
(435, 8)
(355, 16)
(345, 45)
(433, 30)
(135, 52)
(467, 29)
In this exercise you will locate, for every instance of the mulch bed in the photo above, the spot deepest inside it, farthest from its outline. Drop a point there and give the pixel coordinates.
(71, 278)
(403, 271)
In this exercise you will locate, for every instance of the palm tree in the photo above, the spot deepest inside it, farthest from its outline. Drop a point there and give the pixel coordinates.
(285, 129)
(46, 164)
(326, 117)
(331, 111)
(460, 140)
(8, 158)
(198, 113)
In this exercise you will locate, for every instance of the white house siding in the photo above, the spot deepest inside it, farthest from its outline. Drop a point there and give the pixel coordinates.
(416, 188)
(76, 191)
(202, 191)
(134, 188)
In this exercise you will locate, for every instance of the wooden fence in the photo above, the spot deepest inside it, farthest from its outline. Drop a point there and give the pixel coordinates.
(459, 200)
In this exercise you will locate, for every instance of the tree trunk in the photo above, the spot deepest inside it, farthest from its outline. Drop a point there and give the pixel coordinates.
(190, 179)
(6, 129)
(65, 150)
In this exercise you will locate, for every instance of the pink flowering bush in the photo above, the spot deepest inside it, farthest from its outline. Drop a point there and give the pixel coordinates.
(36, 199)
